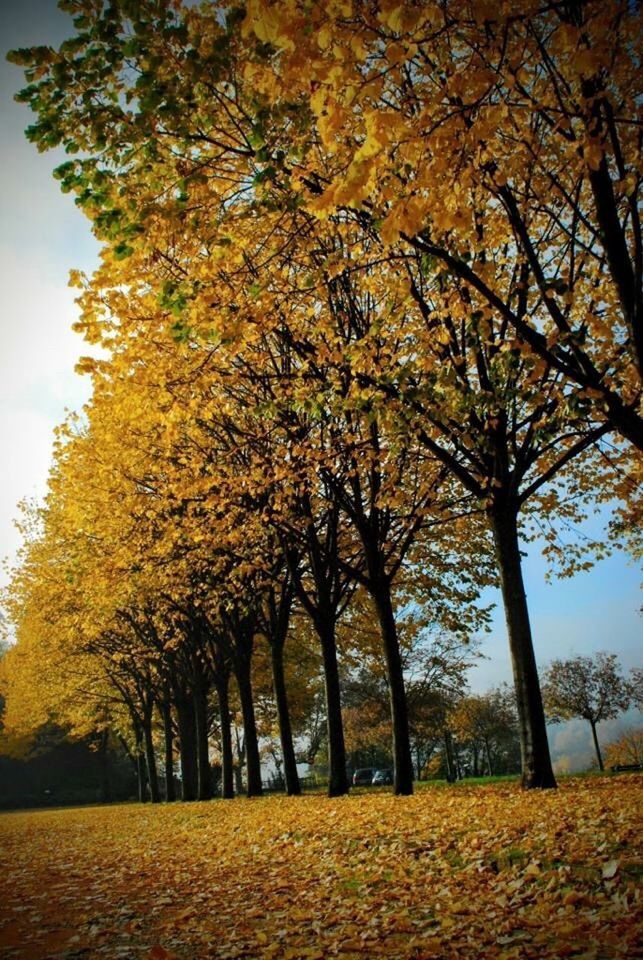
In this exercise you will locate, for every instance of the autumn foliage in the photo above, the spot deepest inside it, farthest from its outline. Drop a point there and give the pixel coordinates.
(626, 750)
(370, 309)
(460, 873)
(368, 317)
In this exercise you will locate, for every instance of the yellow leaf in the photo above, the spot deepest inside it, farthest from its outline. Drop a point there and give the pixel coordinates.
(392, 17)
(325, 37)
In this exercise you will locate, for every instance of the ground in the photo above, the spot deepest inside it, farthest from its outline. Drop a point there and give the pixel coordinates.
(459, 872)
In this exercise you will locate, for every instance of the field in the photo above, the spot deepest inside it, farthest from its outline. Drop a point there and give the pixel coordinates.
(466, 872)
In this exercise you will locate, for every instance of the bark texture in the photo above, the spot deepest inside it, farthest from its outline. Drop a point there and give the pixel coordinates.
(534, 747)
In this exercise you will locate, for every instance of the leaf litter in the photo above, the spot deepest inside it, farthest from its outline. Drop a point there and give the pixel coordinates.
(457, 873)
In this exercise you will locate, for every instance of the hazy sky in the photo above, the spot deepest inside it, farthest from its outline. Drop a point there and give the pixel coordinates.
(43, 236)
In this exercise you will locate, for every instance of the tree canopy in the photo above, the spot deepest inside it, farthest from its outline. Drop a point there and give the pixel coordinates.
(592, 688)
(370, 296)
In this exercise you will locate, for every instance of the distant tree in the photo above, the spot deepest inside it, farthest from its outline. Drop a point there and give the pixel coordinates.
(592, 688)
(431, 737)
(628, 749)
(436, 685)
(488, 726)
(435, 666)
(367, 719)
(636, 686)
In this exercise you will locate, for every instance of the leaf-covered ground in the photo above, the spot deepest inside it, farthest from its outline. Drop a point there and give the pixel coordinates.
(449, 873)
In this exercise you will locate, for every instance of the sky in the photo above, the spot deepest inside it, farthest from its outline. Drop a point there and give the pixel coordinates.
(43, 236)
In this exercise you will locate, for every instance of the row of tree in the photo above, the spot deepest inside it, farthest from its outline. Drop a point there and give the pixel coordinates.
(454, 734)
(370, 303)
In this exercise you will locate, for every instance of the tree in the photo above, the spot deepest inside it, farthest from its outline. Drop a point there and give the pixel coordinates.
(225, 153)
(487, 725)
(592, 688)
(626, 749)
(637, 686)
(468, 132)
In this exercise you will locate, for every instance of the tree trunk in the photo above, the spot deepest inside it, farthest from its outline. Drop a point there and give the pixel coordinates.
(168, 759)
(337, 776)
(150, 759)
(403, 763)
(204, 773)
(626, 420)
(187, 749)
(103, 759)
(127, 751)
(488, 752)
(455, 750)
(251, 741)
(291, 777)
(141, 775)
(536, 763)
(448, 758)
(239, 765)
(227, 773)
(139, 759)
(238, 779)
(599, 756)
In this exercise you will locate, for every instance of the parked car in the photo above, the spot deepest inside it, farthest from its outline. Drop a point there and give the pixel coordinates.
(364, 777)
(381, 777)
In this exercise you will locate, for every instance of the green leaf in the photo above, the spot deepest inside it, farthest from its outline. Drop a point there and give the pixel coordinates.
(122, 251)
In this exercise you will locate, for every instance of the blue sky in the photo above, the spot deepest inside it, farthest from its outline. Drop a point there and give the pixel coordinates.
(43, 236)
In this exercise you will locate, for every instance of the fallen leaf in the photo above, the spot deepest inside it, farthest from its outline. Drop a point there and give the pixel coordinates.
(610, 869)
